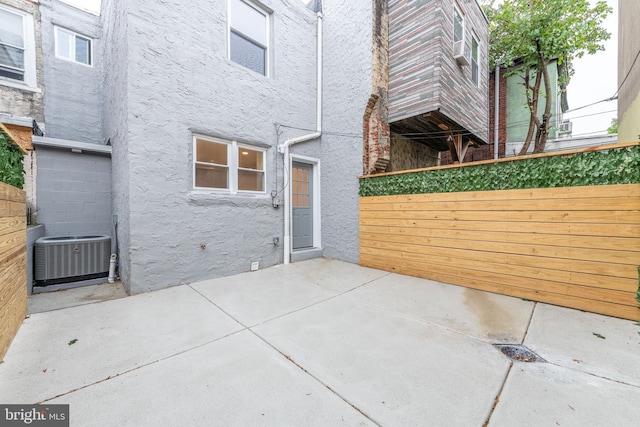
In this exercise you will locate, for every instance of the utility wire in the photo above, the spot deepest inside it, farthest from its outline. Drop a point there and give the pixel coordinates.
(615, 95)
(628, 73)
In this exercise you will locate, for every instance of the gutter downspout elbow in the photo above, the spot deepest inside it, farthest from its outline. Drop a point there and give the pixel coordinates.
(284, 148)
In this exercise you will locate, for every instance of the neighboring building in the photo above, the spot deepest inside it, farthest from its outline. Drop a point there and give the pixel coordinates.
(216, 138)
(22, 80)
(438, 80)
(628, 71)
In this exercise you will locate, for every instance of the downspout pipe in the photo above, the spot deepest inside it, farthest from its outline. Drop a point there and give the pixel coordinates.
(496, 111)
(284, 147)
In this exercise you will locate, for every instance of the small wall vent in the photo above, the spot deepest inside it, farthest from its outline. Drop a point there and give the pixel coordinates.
(71, 259)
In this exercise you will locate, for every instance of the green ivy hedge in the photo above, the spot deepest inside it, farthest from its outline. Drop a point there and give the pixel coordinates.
(614, 166)
(11, 162)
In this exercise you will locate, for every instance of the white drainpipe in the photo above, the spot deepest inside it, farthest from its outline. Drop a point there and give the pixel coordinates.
(284, 147)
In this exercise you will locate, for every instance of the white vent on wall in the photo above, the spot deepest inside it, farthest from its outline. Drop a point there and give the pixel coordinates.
(458, 53)
(566, 127)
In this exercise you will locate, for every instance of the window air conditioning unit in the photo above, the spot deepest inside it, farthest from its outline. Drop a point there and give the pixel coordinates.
(566, 126)
(458, 53)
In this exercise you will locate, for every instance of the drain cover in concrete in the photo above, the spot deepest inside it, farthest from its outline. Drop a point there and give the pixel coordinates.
(519, 353)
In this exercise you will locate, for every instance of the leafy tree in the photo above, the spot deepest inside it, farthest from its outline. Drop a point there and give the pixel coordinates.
(614, 127)
(526, 35)
(11, 159)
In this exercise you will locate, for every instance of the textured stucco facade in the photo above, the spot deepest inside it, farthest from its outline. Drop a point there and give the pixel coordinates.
(73, 104)
(629, 94)
(163, 223)
(347, 87)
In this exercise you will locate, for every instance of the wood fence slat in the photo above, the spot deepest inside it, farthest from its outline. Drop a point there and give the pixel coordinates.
(601, 307)
(568, 254)
(574, 246)
(587, 267)
(425, 236)
(12, 224)
(13, 264)
(595, 191)
(578, 204)
(569, 229)
(596, 217)
(506, 279)
(499, 265)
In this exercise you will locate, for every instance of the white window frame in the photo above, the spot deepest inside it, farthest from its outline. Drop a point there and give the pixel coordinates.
(267, 17)
(75, 35)
(475, 62)
(232, 164)
(30, 81)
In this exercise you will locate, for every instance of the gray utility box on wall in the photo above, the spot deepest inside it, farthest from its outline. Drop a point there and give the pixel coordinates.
(71, 259)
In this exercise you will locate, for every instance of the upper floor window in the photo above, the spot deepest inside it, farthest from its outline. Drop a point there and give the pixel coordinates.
(474, 61)
(458, 26)
(73, 46)
(228, 166)
(249, 35)
(17, 47)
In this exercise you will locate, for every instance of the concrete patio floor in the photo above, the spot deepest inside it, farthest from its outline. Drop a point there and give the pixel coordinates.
(324, 343)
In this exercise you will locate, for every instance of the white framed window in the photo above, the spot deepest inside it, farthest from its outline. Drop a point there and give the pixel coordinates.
(248, 36)
(73, 46)
(17, 48)
(228, 166)
(458, 26)
(474, 60)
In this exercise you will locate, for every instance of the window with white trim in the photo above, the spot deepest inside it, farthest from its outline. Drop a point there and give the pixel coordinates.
(249, 35)
(474, 60)
(458, 26)
(17, 47)
(73, 46)
(228, 166)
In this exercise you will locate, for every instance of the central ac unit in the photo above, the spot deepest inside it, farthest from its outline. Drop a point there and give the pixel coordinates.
(458, 53)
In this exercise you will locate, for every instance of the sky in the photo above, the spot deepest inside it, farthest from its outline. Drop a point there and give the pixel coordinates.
(595, 78)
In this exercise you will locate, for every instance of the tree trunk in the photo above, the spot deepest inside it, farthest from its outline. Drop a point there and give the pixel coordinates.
(533, 95)
(543, 130)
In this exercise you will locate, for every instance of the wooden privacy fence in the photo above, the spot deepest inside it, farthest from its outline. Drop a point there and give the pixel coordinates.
(577, 247)
(13, 263)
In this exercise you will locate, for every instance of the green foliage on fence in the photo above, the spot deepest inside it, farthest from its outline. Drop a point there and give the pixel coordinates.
(11, 162)
(607, 167)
